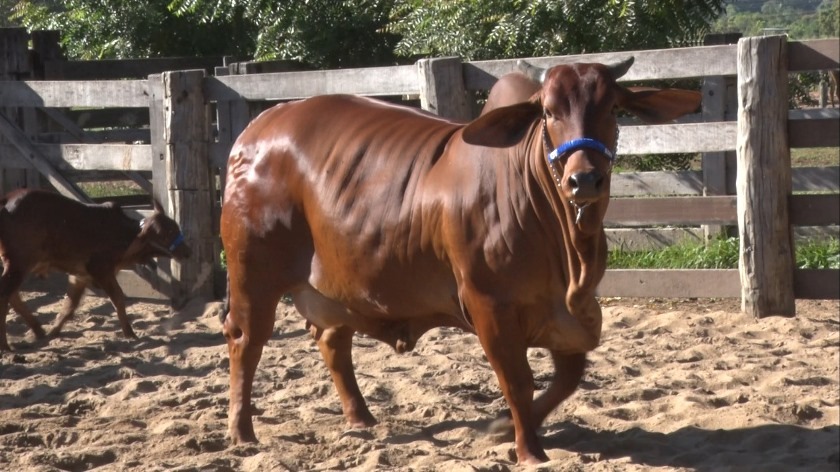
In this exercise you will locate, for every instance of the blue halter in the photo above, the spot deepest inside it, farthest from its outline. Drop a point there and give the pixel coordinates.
(580, 143)
(177, 242)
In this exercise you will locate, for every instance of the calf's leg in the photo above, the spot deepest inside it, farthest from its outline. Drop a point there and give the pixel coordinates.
(115, 293)
(75, 291)
(27, 315)
(10, 283)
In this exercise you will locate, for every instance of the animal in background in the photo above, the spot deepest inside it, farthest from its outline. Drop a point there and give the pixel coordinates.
(43, 231)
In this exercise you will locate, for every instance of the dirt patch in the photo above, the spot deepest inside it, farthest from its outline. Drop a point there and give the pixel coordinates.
(675, 385)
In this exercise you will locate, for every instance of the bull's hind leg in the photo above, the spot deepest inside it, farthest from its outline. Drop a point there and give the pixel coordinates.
(568, 372)
(336, 345)
(247, 328)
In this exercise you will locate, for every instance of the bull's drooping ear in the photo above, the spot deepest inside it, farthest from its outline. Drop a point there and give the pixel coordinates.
(502, 127)
(656, 106)
(619, 69)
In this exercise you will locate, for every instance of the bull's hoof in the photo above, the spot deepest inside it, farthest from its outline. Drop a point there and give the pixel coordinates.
(237, 437)
(361, 420)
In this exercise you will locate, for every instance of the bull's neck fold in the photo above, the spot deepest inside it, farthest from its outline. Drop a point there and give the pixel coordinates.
(583, 254)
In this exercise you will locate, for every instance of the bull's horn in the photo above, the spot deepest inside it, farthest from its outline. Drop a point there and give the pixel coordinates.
(619, 69)
(537, 74)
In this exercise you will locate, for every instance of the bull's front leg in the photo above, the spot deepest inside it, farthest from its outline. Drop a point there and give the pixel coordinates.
(336, 346)
(504, 344)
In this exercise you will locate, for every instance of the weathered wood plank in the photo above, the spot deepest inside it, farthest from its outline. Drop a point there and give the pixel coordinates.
(814, 284)
(813, 133)
(689, 182)
(671, 211)
(634, 184)
(371, 81)
(96, 94)
(667, 139)
(814, 210)
(816, 54)
(645, 239)
(87, 157)
(817, 284)
(442, 87)
(649, 65)
(816, 179)
(673, 283)
(29, 152)
(114, 69)
(764, 178)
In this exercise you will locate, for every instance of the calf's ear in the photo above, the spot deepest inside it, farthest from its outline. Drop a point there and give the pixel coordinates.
(656, 106)
(157, 206)
(502, 127)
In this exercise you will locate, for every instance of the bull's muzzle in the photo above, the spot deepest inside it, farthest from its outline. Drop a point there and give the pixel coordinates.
(586, 186)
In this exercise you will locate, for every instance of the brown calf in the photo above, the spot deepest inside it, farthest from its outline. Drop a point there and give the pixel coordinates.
(42, 231)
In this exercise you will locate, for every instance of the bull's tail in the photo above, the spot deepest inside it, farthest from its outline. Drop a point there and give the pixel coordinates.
(226, 304)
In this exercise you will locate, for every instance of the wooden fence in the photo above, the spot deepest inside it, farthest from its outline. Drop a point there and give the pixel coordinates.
(194, 117)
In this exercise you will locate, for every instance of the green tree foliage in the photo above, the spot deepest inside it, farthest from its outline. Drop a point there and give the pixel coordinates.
(803, 19)
(484, 29)
(6, 7)
(96, 29)
(349, 33)
(322, 33)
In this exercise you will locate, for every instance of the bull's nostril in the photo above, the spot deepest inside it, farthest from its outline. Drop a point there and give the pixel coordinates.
(585, 184)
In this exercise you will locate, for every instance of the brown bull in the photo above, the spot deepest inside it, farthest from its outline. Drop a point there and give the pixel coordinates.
(43, 231)
(387, 221)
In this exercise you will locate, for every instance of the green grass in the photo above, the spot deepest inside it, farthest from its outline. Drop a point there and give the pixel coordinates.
(815, 157)
(720, 254)
(115, 188)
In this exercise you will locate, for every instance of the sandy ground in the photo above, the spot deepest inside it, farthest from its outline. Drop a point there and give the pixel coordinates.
(675, 385)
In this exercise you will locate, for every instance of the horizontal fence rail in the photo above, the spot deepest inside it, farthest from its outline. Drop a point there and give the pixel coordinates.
(109, 125)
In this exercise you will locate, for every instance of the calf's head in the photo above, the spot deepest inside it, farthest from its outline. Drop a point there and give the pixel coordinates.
(159, 236)
(574, 113)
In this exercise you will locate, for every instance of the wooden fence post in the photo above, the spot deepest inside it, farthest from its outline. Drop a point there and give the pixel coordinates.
(442, 89)
(181, 175)
(719, 104)
(14, 65)
(763, 180)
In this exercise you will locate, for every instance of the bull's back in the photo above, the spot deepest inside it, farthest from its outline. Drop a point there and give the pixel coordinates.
(339, 181)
